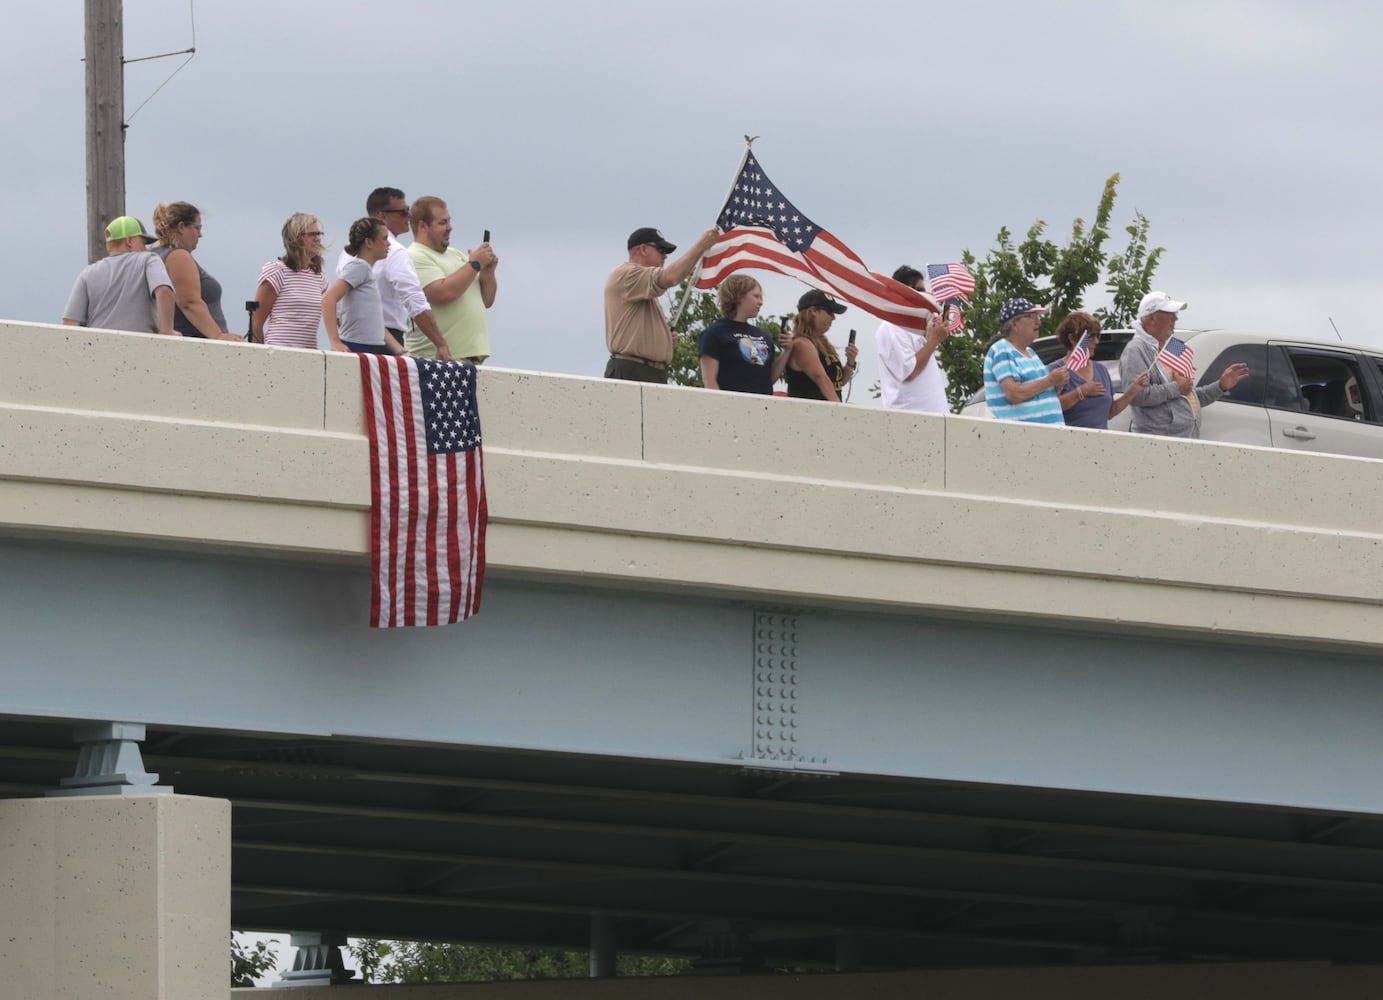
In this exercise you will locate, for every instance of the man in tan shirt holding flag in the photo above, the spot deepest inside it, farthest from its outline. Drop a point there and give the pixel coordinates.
(636, 331)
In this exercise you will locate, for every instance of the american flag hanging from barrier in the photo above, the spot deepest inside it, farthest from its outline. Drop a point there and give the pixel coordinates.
(428, 512)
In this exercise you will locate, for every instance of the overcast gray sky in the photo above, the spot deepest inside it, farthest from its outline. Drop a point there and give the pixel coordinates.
(1247, 132)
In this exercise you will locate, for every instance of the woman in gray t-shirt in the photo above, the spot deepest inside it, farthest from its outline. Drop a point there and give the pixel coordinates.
(350, 307)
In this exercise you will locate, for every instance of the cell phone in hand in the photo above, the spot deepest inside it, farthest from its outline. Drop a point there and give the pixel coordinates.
(486, 237)
(852, 336)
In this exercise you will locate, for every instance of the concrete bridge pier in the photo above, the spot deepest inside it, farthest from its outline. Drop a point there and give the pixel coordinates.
(122, 897)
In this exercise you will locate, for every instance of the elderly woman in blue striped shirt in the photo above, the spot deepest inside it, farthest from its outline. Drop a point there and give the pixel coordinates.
(1017, 385)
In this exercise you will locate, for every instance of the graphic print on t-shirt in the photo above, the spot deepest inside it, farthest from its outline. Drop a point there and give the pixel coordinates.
(753, 350)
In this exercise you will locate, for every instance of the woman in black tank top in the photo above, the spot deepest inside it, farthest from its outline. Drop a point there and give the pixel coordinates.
(814, 368)
(198, 295)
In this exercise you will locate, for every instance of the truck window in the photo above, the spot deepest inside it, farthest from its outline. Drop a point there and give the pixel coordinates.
(1330, 384)
(1249, 390)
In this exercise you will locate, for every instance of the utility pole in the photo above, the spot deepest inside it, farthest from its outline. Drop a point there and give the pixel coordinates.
(105, 120)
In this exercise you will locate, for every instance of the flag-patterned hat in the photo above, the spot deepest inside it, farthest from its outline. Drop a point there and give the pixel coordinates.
(1017, 307)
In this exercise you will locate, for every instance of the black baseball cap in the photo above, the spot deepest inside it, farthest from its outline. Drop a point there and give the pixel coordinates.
(650, 236)
(821, 300)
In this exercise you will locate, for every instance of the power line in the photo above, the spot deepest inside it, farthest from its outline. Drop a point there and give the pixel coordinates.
(189, 52)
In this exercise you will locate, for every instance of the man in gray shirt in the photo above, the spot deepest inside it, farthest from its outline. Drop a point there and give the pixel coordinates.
(128, 290)
(1171, 404)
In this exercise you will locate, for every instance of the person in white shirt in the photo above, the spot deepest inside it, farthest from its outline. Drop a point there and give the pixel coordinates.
(910, 375)
(400, 293)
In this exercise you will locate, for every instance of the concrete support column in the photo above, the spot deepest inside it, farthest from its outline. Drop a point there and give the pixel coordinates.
(847, 952)
(117, 897)
(603, 949)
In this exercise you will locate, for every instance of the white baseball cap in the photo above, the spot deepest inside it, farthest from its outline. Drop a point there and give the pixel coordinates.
(1159, 302)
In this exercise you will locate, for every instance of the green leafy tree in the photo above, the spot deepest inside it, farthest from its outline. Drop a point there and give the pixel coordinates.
(700, 312)
(1050, 275)
(1130, 276)
(424, 962)
(249, 963)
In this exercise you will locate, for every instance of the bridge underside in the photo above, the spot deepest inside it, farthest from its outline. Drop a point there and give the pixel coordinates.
(702, 777)
(748, 866)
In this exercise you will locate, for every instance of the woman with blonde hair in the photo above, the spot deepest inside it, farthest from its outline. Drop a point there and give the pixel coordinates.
(814, 370)
(290, 290)
(197, 295)
(736, 355)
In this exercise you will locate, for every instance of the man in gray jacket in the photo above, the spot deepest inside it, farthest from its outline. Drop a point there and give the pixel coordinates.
(1171, 404)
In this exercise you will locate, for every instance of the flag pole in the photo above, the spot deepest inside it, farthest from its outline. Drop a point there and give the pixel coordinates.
(686, 296)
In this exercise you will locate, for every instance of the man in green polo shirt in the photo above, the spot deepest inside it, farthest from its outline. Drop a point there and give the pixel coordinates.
(458, 286)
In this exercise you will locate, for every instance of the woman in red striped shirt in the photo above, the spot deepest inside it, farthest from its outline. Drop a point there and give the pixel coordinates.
(291, 287)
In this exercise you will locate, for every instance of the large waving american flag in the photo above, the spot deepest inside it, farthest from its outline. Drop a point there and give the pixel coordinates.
(428, 512)
(763, 230)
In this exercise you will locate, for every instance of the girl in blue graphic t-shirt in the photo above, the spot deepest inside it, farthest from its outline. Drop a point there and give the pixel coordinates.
(736, 355)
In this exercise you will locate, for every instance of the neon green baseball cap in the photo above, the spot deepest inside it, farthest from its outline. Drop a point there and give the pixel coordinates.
(125, 227)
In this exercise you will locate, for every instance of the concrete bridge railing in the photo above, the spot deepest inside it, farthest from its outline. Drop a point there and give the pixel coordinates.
(168, 443)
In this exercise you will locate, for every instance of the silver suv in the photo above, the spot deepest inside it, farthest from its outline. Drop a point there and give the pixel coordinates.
(1307, 395)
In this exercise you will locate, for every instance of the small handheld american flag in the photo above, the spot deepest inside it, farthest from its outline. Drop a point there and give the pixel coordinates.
(1080, 357)
(954, 320)
(1178, 357)
(951, 281)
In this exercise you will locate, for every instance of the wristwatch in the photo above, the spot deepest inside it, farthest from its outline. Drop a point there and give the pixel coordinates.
(475, 264)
